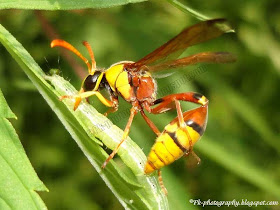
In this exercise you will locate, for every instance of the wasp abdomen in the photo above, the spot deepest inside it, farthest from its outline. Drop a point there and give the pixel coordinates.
(175, 141)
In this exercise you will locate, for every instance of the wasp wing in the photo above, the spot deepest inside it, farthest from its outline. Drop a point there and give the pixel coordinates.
(195, 34)
(204, 57)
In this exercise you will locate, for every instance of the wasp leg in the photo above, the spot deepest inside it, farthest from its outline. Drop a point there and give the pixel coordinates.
(150, 123)
(87, 94)
(161, 183)
(114, 108)
(113, 98)
(183, 125)
(125, 134)
(193, 121)
(77, 99)
(165, 103)
(111, 110)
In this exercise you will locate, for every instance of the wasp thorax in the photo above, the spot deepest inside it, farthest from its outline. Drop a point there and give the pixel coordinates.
(90, 81)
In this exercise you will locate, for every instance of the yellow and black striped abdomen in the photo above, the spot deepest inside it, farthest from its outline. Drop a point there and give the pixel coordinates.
(174, 141)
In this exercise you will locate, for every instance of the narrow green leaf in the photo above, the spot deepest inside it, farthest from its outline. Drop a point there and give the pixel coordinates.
(5, 110)
(62, 4)
(187, 9)
(133, 190)
(18, 180)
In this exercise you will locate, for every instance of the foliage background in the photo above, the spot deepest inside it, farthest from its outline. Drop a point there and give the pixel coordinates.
(244, 104)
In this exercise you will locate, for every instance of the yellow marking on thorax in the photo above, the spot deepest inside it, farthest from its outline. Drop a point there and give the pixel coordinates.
(122, 79)
(112, 74)
(123, 86)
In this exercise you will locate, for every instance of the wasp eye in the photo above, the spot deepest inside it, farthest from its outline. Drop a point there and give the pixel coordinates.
(90, 81)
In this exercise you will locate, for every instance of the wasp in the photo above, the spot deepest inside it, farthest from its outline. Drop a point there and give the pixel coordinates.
(133, 81)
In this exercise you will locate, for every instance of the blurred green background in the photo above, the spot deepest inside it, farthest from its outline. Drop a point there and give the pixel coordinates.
(242, 141)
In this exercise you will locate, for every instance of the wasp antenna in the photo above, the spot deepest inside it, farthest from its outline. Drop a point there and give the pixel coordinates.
(93, 62)
(66, 45)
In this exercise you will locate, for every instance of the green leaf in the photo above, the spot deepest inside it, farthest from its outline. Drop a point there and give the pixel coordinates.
(133, 190)
(5, 111)
(62, 4)
(187, 9)
(18, 180)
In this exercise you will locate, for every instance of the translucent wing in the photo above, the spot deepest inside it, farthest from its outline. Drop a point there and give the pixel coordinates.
(195, 34)
(205, 57)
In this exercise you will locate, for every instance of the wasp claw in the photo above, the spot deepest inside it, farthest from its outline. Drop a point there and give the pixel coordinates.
(104, 165)
(63, 97)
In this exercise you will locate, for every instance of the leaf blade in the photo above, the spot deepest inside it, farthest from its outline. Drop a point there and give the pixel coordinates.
(63, 4)
(148, 197)
(18, 180)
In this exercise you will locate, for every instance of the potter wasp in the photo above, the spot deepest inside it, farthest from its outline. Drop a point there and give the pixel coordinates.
(133, 82)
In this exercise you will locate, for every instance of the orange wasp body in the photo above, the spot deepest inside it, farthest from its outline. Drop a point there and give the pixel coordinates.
(133, 82)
